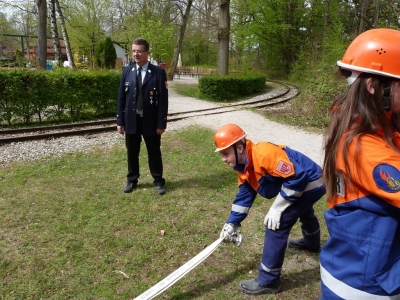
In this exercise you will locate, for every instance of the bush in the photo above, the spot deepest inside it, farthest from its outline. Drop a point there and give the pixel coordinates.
(105, 54)
(60, 95)
(230, 88)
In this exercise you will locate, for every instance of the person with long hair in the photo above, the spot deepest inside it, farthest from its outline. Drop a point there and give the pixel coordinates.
(361, 170)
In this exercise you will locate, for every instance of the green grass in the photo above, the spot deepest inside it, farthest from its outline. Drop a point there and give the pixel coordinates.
(69, 232)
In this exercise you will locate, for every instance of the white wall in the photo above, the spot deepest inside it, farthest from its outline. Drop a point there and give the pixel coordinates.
(120, 54)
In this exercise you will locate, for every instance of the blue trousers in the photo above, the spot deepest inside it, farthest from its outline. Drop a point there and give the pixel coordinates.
(275, 242)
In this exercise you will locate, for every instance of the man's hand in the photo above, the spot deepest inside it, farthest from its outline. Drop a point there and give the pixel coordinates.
(160, 131)
(273, 217)
(228, 232)
(120, 129)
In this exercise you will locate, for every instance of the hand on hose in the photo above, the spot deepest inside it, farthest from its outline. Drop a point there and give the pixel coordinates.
(273, 217)
(228, 232)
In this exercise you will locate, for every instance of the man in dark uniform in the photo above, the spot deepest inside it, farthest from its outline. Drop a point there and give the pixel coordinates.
(142, 111)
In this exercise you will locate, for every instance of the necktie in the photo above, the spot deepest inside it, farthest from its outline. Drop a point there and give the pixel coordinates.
(139, 105)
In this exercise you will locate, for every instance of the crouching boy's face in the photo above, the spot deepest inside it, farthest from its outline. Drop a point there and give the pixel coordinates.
(228, 155)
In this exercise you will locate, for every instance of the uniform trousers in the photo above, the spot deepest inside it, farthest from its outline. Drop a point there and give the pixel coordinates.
(275, 241)
(153, 146)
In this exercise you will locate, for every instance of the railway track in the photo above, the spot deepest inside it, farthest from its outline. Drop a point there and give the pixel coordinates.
(277, 96)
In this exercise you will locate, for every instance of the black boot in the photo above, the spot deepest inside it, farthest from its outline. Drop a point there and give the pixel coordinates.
(299, 245)
(252, 287)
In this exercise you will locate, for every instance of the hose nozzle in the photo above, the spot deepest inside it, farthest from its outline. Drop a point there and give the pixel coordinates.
(237, 239)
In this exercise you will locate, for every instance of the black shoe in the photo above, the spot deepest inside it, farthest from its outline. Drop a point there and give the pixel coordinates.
(299, 245)
(160, 189)
(252, 287)
(129, 187)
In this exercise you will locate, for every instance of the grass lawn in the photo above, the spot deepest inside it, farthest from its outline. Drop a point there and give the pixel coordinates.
(69, 232)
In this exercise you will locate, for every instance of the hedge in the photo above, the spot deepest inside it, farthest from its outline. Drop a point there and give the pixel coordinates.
(28, 96)
(230, 88)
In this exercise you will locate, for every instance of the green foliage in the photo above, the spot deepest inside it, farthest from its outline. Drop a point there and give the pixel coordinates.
(99, 55)
(315, 73)
(230, 88)
(105, 55)
(61, 95)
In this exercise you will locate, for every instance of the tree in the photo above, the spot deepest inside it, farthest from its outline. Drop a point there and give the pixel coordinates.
(105, 55)
(65, 35)
(54, 31)
(42, 37)
(223, 37)
(178, 45)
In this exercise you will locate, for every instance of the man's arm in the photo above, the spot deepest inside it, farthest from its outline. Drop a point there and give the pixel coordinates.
(162, 101)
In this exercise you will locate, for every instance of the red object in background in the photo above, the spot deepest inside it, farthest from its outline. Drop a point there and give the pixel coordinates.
(162, 64)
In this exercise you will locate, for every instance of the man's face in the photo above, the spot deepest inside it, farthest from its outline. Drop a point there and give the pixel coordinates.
(139, 55)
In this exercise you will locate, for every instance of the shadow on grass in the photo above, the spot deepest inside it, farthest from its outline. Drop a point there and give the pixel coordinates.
(292, 281)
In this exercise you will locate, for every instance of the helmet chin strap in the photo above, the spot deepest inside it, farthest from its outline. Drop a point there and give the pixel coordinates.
(386, 95)
(235, 150)
(236, 154)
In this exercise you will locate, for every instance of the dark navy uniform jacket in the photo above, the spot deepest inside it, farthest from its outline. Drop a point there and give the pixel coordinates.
(154, 95)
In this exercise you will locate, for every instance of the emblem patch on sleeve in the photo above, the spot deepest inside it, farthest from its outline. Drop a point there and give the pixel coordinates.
(387, 178)
(283, 168)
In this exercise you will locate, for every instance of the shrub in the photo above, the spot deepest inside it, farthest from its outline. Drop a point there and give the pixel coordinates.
(230, 88)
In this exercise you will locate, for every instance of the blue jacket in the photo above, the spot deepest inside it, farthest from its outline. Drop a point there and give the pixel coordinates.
(154, 96)
(361, 259)
(272, 169)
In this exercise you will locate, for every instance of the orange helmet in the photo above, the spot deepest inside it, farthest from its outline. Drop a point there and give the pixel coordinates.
(375, 51)
(228, 135)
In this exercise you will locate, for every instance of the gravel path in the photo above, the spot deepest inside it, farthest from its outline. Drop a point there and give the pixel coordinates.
(257, 129)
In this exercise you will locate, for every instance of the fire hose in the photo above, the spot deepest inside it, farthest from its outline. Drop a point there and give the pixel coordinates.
(184, 269)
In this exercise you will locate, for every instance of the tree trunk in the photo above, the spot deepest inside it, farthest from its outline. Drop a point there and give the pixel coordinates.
(326, 20)
(377, 11)
(42, 39)
(54, 31)
(223, 37)
(178, 46)
(65, 36)
(364, 9)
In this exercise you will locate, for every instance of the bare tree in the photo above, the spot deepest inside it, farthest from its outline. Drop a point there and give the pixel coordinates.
(223, 37)
(54, 31)
(42, 39)
(178, 46)
(65, 35)
(364, 10)
(326, 19)
(377, 11)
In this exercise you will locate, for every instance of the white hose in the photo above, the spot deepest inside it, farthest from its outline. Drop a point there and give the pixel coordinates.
(179, 273)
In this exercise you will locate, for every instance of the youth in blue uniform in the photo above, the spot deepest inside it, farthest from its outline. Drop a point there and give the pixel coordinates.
(271, 171)
(361, 259)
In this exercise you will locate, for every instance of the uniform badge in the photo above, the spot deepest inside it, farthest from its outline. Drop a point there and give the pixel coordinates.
(151, 93)
(283, 168)
(387, 178)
